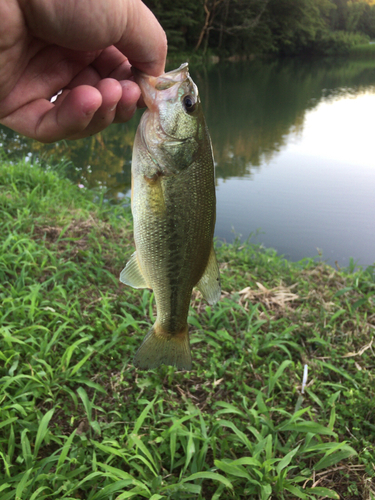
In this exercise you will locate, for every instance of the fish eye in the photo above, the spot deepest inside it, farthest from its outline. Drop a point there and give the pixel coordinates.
(189, 103)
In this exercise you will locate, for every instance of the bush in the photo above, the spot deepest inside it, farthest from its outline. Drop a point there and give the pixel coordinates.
(339, 42)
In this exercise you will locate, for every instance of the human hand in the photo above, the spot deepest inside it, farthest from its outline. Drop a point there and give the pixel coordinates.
(86, 48)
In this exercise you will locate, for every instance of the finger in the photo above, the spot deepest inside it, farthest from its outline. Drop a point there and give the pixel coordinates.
(111, 63)
(88, 25)
(127, 105)
(131, 93)
(88, 76)
(144, 42)
(46, 122)
(122, 72)
(52, 69)
(111, 92)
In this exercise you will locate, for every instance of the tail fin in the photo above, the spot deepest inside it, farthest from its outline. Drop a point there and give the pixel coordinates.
(160, 347)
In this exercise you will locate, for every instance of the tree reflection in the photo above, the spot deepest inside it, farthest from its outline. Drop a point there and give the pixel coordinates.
(250, 108)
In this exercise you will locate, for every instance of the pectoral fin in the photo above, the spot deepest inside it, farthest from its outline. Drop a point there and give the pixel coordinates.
(209, 284)
(132, 274)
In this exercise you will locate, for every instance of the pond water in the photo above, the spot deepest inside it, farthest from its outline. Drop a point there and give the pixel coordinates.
(294, 149)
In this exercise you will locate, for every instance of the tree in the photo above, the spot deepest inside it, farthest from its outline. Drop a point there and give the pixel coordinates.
(181, 21)
(230, 22)
(298, 25)
(281, 27)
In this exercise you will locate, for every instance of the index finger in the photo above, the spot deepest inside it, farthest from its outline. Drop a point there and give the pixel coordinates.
(143, 41)
(86, 26)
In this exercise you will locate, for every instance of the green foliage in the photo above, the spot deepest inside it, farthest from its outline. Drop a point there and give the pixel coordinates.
(297, 26)
(279, 27)
(340, 42)
(181, 21)
(77, 420)
(365, 52)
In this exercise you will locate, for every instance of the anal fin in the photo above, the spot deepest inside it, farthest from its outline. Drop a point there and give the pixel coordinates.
(132, 274)
(209, 284)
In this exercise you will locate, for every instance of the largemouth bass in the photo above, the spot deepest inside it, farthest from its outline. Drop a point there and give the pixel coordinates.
(173, 205)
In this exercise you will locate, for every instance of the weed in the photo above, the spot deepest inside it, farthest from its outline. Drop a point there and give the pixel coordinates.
(77, 420)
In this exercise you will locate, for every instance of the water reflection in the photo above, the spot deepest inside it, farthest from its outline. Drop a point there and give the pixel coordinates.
(103, 159)
(260, 114)
(252, 108)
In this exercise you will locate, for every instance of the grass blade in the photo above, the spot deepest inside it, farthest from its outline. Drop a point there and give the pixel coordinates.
(142, 416)
(42, 431)
(214, 476)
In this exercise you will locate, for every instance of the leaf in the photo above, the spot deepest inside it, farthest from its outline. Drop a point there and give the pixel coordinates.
(26, 449)
(323, 492)
(265, 492)
(142, 416)
(22, 484)
(209, 475)
(4, 486)
(246, 461)
(297, 491)
(42, 431)
(140, 444)
(190, 450)
(96, 427)
(333, 458)
(261, 405)
(108, 490)
(284, 462)
(360, 303)
(65, 360)
(332, 418)
(337, 314)
(80, 363)
(135, 491)
(268, 447)
(86, 402)
(78, 485)
(228, 408)
(172, 446)
(339, 371)
(36, 494)
(233, 470)
(8, 421)
(108, 449)
(218, 492)
(308, 427)
(66, 448)
(118, 473)
(343, 290)
(92, 384)
(242, 437)
(278, 374)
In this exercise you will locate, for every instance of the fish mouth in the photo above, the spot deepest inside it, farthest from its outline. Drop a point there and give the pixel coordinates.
(151, 85)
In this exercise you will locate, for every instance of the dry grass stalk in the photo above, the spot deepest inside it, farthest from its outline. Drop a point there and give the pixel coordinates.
(273, 299)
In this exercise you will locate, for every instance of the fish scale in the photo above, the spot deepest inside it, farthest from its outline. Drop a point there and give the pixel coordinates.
(173, 206)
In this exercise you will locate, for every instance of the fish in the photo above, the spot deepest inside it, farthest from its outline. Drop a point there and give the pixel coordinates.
(173, 203)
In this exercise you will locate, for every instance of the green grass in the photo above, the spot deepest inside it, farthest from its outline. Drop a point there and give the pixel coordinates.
(78, 421)
(362, 51)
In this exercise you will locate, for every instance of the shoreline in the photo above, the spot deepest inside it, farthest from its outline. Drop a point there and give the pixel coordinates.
(365, 51)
